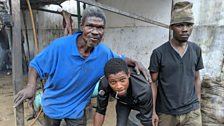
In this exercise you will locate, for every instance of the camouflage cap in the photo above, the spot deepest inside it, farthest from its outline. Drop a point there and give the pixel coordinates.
(182, 12)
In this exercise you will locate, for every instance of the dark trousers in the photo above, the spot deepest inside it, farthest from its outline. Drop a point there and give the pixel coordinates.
(69, 122)
(123, 112)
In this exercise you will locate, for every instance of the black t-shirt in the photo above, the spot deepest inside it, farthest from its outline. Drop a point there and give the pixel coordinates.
(176, 81)
(138, 97)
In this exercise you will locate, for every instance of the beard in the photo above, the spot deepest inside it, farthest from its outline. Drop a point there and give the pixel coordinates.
(92, 44)
(182, 39)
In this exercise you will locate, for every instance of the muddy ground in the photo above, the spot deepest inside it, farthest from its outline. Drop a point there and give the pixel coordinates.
(7, 117)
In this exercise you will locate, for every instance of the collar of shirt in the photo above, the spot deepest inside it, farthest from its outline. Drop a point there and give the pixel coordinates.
(177, 50)
(75, 51)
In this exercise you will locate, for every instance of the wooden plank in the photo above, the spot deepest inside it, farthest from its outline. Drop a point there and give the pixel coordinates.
(127, 14)
(171, 31)
(17, 74)
(79, 14)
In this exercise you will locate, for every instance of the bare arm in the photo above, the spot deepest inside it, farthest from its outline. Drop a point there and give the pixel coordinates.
(138, 67)
(154, 76)
(29, 91)
(98, 119)
(198, 84)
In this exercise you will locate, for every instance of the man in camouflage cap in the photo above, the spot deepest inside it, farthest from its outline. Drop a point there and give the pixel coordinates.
(174, 68)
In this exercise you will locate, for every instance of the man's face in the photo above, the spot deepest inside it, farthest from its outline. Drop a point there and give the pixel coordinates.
(182, 31)
(93, 30)
(119, 82)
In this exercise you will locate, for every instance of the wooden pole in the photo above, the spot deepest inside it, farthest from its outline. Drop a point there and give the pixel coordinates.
(170, 31)
(17, 74)
(79, 14)
(120, 12)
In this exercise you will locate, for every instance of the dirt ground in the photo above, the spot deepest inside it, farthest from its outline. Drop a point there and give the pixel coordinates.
(7, 117)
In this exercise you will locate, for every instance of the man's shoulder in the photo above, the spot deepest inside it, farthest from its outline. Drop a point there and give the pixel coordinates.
(194, 45)
(103, 84)
(64, 40)
(162, 47)
(103, 47)
(135, 75)
(138, 81)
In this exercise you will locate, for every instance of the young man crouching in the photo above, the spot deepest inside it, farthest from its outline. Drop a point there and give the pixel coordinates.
(132, 91)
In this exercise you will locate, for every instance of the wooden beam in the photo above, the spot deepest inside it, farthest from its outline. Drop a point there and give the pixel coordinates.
(79, 14)
(171, 31)
(17, 74)
(127, 14)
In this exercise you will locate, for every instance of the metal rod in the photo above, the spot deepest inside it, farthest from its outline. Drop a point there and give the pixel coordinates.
(51, 11)
(117, 11)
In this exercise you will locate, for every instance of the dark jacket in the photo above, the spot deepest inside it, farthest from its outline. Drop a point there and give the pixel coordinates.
(138, 97)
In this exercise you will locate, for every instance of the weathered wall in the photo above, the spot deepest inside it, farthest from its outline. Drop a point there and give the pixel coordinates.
(137, 39)
(209, 35)
(134, 38)
(136, 42)
(49, 25)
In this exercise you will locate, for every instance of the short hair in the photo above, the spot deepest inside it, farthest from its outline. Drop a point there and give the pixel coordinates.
(114, 66)
(92, 11)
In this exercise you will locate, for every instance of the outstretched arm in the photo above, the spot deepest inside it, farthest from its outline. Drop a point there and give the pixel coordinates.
(98, 119)
(138, 67)
(29, 91)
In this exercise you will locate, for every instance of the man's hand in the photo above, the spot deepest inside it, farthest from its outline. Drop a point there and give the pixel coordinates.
(155, 119)
(26, 93)
(140, 68)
